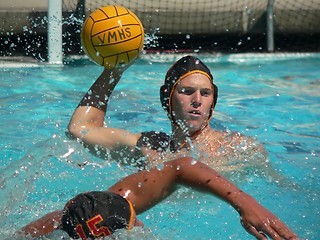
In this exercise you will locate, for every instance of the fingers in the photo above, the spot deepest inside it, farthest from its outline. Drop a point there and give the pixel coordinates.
(275, 229)
(283, 230)
(262, 234)
(253, 231)
(271, 233)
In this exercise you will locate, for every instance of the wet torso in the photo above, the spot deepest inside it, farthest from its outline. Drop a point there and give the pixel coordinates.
(224, 151)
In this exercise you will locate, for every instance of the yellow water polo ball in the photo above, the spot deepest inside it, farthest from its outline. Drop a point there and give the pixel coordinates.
(112, 36)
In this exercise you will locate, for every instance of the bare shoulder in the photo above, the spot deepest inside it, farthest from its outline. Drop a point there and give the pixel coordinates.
(234, 139)
(226, 136)
(215, 134)
(234, 150)
(237, 137)
(246, 143)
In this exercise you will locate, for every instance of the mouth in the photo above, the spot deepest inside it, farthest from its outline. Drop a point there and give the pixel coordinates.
(195, 113)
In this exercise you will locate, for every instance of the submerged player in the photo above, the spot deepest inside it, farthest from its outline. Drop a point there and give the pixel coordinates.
(96, 214)
(189, 96)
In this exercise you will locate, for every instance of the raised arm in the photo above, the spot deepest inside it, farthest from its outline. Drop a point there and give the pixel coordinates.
(87, 122)
(144, 189)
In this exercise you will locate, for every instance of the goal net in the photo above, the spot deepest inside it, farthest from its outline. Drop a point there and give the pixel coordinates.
(210, 25)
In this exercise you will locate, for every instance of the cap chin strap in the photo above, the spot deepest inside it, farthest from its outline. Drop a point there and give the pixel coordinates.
(195, 134)
(198, 131)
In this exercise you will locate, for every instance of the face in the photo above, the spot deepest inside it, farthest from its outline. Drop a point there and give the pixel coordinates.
(191, 102)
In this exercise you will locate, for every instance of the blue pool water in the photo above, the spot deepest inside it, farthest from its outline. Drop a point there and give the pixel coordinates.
(275, 98)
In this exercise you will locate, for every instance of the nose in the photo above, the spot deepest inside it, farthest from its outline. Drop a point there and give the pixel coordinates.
(196, 100)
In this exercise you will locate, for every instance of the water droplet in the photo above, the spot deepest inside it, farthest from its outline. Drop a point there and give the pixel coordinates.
(193, 162)
(160, 166)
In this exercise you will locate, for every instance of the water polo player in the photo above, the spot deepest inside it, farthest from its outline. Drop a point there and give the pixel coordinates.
(96, 214)
(189, 96)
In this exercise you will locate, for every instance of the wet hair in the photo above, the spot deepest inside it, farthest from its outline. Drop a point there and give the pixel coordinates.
(95, 214)
(179, 70)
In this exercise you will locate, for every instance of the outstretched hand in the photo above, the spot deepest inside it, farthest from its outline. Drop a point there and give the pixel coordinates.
(261, 223)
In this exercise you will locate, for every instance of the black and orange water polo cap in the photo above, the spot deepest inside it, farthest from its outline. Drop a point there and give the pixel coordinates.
(96, 214)
(179, 70)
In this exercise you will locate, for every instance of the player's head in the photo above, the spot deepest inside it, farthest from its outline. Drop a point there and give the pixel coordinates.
(179, 70)
(96, 214)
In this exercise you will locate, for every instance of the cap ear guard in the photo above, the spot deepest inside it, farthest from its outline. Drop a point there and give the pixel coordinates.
(164, 96)
(215, 95)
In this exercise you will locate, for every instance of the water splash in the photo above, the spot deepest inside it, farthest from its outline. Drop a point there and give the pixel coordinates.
(16, 181)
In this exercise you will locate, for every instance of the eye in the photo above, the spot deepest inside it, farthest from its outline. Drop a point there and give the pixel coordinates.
(187, 91)
(206, 92)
